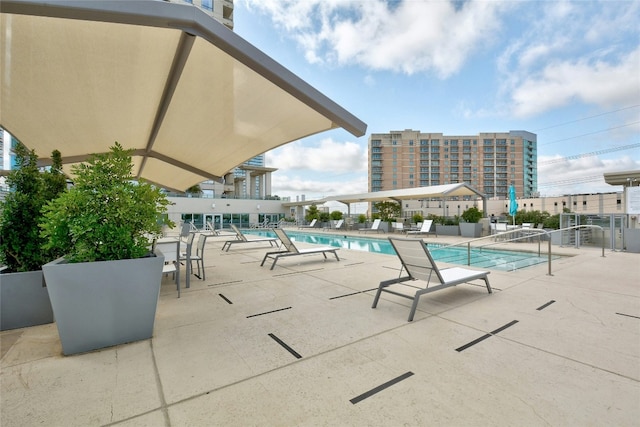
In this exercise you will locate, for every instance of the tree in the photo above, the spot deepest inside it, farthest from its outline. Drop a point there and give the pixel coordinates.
(312, 213)
(21, 246)
(388, 210)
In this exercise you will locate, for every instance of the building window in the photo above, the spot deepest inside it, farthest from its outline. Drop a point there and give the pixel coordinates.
(207, 5)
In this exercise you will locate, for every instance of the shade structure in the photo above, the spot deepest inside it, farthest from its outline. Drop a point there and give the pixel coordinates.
(417, 193)
(189, 96)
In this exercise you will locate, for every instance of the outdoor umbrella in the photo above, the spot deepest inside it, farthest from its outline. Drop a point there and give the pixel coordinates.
(189, 96)
(513, 203)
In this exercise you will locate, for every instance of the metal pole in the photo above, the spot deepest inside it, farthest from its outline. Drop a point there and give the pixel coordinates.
(468, 253)
(549, 253)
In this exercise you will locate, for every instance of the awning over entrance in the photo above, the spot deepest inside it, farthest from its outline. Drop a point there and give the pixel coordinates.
(190, 96)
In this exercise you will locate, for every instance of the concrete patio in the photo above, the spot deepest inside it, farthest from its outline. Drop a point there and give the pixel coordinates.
(300, 345)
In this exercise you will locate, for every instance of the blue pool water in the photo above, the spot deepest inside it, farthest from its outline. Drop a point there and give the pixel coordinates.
(480, 257)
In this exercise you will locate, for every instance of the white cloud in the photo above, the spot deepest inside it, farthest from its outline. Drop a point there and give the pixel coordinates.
(316, 187)
(410, 37)
(328, 156)
(569, 54)
(580, 176)
(592, 82)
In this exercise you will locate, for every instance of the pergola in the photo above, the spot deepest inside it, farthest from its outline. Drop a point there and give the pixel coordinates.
(432, 192)
(189, 96)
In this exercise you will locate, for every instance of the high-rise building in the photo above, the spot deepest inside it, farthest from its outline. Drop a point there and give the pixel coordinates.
(489, 162)
(221, 10)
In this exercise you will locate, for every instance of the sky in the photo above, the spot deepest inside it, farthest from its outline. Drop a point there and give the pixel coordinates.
(568, 71)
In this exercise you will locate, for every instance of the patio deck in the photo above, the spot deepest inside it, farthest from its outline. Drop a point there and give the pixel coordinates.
(300, 345)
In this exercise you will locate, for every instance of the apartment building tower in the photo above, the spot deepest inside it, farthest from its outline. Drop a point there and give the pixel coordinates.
(221, 10)
(489, 161)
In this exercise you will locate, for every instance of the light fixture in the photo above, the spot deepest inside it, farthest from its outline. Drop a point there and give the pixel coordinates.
(258, 207)
(213, 205)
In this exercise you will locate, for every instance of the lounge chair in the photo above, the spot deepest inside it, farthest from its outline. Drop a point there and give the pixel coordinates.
(424, 228)
(374, 227)
(241, 238)
(291, 250)
(311, 225)
(338, 225)
(397, 227)
(419, 265)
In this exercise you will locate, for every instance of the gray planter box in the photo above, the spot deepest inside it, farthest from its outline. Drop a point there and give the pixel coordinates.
(447, 230)
(24, 301)
(102, 304)
(632, 239)
(471, 229)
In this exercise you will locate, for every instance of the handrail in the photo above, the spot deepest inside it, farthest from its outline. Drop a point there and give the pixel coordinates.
(530, 232)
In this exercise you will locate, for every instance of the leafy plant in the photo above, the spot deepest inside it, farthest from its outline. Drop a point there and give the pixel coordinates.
(106, 215)
(362, 218)
(21, 246)
(472, 215)
(324, 217)
(388, 210)
(416, 218)
(336, 215)
(312, 213)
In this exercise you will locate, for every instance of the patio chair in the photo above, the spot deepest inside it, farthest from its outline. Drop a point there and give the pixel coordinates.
(338, 225)
(185, 255)
(312, 224)
(501, 227)
(420, 267)
(374, 227)
(291, 250)
(170, 249)
(397, 227)
(241, 238)
(425, 228)
(199, 256)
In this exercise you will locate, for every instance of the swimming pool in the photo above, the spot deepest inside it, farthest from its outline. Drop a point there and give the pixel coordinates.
(480, 257)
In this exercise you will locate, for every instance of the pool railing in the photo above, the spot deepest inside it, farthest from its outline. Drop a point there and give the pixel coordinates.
(519, 234)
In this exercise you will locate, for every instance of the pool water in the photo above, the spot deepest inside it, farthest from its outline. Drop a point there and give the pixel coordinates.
(480, 257)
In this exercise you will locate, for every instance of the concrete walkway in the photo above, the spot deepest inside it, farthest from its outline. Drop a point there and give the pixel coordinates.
(300, 345)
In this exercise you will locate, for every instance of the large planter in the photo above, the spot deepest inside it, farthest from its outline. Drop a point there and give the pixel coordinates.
(447, 230)
(102, 304)
(471, 229)
(632, 239)
(24, 301)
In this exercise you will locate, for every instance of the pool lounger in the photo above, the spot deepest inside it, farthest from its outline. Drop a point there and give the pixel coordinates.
(291, 249)
(420, 266)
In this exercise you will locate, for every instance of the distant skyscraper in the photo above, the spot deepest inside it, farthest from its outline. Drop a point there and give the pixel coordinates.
(488, 162)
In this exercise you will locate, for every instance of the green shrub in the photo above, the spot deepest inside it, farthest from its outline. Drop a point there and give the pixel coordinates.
(362, 218)
(416, 218)
(473, 215)
(336, 215)
(105, 215)
(21, 246)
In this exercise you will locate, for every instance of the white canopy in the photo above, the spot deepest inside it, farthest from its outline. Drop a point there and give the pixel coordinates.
(192, 98)
(434, 191)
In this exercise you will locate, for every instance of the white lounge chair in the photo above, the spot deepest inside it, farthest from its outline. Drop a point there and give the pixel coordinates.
(424, 228)
(241, 238)
(374, 227)
(312, 224)
(420, 267)
(338, 225)
(291, 250)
